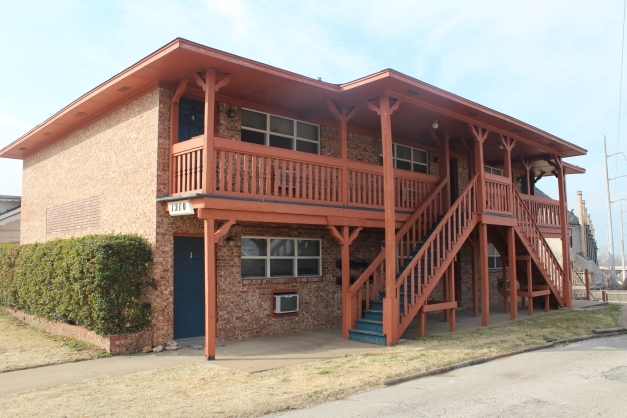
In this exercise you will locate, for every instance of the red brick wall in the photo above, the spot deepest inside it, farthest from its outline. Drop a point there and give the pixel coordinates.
(114, 344)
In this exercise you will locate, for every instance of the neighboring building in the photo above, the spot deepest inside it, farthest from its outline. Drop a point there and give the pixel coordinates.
(10, 214)
(257, 184)
(583, 245)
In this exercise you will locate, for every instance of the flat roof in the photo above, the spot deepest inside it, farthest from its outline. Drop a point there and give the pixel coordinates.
(255, 82)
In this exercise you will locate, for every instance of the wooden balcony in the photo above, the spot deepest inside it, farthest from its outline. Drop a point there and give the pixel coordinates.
(273, 175)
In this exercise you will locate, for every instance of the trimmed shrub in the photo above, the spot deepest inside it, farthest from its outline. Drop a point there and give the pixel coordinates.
(96, 281)
(8, 258)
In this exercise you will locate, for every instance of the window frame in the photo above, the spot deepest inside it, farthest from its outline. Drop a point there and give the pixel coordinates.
(492, 170)
(412, 162)
(493, 256)
(268, 257)
(267, 132)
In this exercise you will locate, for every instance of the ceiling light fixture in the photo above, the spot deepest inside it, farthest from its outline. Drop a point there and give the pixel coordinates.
(435, 124)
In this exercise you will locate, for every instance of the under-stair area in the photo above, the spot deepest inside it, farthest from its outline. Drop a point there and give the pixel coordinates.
(428, 244)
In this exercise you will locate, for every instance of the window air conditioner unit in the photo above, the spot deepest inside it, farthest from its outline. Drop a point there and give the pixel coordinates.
(286, 303)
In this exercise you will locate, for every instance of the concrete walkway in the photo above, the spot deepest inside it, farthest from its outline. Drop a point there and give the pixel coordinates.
(252, 355)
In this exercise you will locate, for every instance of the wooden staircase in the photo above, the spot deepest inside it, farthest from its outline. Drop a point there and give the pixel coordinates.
(427, 244)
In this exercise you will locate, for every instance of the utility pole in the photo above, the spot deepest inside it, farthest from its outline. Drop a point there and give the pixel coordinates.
(613, 284)
(622, 239)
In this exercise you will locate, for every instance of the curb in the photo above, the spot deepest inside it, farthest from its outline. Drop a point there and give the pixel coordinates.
(597, 333)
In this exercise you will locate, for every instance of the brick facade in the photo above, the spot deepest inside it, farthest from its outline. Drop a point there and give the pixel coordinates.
(121, 164)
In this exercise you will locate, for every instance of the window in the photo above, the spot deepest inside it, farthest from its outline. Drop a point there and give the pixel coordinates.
(280, 257)
(494, 258)
(275, 131)
(409, 158)
(493, 170)
(191, 119)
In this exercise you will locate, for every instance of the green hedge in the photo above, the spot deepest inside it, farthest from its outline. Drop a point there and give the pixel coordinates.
(97, 281)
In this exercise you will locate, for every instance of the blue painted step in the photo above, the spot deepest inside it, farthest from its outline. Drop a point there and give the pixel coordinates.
(373, 314)
(370, 325)
(371, 337)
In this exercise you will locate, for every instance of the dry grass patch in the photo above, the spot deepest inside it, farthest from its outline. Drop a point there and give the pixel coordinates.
(204, 389)
(23, 346)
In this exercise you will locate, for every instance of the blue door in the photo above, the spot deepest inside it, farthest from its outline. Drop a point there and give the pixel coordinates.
(189, 289)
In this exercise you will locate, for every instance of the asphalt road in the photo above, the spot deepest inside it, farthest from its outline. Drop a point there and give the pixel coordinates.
(586, 379)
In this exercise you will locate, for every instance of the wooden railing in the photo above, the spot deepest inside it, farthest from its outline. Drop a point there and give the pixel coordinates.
(498, 195)
(541, 252)
(546, 211)
(258, 171)
(424, 270)
(365, 186)
(372, 280)
(187, 166)
(264, 172)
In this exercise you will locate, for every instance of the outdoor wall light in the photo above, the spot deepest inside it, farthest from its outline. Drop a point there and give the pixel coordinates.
(231, 113)
(500, 146)
(435, 124)
(230, 241)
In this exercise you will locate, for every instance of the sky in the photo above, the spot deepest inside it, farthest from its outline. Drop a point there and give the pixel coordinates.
(553, 64)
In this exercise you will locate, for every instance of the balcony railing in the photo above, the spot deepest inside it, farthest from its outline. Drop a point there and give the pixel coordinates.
(257, 171)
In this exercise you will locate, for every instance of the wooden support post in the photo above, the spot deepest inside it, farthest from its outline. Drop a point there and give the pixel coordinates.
(391, 302)
(345, 240)
(174, 121)
(585, 272)
(485, 281)
(445, 293)
(529, 287)
(343, 115)
(422, 322)
(451, 297)
(504, 279)
(528, 177)
(508, 145)
(513, 282)
(480, 136)
(561, 183)
(211, 299)
(445, 170)
(475, 287)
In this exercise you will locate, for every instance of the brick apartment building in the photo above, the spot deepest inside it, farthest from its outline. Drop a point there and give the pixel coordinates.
(374, 201)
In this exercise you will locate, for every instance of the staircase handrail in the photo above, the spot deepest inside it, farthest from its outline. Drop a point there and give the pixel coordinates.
(437, 230)
(354, 288)
(544, 246)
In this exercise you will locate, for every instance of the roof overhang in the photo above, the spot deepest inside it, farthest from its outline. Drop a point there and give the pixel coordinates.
(254, 82)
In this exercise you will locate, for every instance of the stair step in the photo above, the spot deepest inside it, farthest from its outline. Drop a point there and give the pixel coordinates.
(371, 337)
(373, 314)
(370, 325)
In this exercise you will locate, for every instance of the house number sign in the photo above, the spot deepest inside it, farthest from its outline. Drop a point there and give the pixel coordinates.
(180, 207)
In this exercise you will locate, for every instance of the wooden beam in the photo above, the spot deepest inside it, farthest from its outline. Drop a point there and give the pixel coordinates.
(225, 80)
(201, 82)
(210, 106)
(336, 234)
(511, 250)
(210, 290)
(223, 230)
(485, 282)
(561, 183)
(354, 235)
(180, 90)
(475, 287)
(480, 136)
(390, 303)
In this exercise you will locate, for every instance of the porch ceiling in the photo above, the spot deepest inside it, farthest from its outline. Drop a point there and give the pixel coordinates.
(259, 84)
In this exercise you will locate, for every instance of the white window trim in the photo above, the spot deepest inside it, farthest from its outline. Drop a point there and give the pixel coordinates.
(412, 162)
(267, 132)
(493, 254)
(499, 172)
(296, 257)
